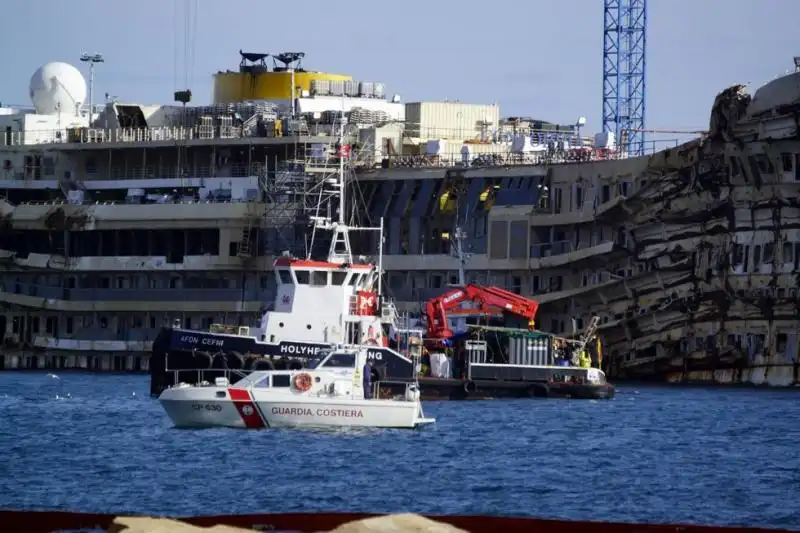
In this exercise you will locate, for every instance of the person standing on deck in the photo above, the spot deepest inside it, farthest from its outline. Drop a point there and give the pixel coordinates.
(367, 370)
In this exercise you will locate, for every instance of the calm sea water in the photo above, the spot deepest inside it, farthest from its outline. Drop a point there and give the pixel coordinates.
(99, 443)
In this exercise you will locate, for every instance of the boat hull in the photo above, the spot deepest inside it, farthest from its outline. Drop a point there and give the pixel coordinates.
(202, 407)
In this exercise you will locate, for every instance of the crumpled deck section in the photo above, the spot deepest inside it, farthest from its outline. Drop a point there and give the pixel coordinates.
(716, 230)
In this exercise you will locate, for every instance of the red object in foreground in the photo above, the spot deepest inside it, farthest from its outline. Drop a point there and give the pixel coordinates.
(51, 521)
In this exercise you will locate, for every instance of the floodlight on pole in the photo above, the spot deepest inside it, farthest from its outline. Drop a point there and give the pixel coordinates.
(92, 59)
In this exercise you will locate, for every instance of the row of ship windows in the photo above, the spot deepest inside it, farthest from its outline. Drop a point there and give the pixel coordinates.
(173, 243)
(760, 164)
(396, 280)
(765, 255)
(52, 324)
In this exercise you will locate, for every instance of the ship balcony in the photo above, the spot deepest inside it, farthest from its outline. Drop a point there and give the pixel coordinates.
(109, 300)
(550, 249)
(560, 253)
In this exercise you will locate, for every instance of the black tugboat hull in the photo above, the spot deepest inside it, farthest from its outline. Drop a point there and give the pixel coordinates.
(180, 356)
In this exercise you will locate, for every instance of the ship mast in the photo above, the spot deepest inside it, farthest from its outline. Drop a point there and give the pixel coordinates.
(340, 251)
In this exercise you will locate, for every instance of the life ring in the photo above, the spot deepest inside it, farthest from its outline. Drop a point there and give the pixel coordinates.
(302, 382)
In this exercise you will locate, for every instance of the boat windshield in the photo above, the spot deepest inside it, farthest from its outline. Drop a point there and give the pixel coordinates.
(314, 362)
(249, 380)
(340, 360)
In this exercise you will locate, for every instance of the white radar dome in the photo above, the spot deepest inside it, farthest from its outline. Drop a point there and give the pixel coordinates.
(57, 87)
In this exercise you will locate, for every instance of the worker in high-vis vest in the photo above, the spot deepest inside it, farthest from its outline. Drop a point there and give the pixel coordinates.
(585, 360)
(531, 324)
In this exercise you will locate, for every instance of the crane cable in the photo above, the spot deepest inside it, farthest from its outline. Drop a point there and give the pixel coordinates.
(185, 13)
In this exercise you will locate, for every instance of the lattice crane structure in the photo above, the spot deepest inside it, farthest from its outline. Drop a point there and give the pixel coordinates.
(624, 45)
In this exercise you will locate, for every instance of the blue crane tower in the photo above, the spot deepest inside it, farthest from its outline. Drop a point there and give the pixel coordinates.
(624, 43)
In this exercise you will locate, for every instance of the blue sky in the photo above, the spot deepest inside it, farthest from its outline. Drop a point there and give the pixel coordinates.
(532, 57)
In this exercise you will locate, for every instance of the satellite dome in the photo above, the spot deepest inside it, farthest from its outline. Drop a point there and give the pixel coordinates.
(57, 88)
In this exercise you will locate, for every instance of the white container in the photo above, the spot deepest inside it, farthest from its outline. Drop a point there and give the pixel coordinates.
(451, 120)
(320, 87)
(366, 89)
(337, 87)
(351, 88)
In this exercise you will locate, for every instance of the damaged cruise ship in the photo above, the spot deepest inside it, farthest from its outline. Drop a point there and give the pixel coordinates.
(120, 219)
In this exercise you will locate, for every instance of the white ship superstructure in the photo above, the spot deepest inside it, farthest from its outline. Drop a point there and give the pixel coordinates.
(139, 217)
(154, 216)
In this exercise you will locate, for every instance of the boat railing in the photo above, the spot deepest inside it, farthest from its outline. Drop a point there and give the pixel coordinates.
(208, 375)
(199, 376)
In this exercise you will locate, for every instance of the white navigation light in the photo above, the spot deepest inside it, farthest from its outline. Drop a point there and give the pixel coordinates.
(57, 88)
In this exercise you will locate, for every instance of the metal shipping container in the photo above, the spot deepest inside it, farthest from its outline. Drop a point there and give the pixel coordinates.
(530, 351)
(320, 87)
(351, 88)
(450, 120)
(366, 89)
(337, 87)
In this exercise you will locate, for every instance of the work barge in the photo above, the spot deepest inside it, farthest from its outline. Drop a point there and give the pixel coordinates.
(688, 255)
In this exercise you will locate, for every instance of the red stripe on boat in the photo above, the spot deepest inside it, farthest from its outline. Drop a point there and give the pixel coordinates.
(247, 408)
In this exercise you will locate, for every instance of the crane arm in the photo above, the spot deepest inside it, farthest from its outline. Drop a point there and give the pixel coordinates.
(487, 298)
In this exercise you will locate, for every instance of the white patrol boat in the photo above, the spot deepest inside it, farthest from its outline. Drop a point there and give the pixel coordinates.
(336, 392)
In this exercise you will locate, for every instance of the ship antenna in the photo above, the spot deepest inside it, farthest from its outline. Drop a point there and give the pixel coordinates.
(340, 251)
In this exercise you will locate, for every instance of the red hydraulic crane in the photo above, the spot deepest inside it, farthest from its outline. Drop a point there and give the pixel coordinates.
(489, 299)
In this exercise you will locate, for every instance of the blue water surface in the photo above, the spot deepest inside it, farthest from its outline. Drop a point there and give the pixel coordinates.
(99, 443)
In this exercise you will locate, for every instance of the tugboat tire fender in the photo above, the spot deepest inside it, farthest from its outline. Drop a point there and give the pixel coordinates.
(250, 361)
(470, 387)
(234, 361)
(203, 360)
(263, 364)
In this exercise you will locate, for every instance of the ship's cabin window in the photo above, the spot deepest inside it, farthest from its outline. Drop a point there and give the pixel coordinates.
(314, 278)
(337, 278)
(319, 278)
(356, 279)
(284, 277)
(340, 360)
(281, 380)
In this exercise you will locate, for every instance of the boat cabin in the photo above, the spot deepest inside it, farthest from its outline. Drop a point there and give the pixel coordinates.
(339, 372)
(320, 301)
